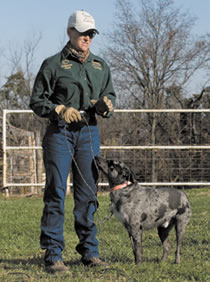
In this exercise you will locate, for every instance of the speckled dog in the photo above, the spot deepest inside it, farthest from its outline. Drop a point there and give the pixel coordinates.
(141, 208)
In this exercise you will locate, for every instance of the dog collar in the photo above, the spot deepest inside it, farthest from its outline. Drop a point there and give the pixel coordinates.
(121, 186)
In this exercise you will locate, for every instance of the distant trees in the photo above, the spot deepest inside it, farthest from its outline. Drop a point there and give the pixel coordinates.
(15, 92)
(153, 55)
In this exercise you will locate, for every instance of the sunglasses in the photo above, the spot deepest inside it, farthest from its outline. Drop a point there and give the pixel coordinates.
(90, 33)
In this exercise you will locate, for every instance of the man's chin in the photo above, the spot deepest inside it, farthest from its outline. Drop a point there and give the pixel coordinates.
(83, 49)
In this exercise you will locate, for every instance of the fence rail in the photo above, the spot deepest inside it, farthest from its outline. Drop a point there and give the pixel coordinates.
(7, 148)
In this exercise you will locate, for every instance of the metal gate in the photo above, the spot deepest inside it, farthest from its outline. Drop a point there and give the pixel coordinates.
(32, 148)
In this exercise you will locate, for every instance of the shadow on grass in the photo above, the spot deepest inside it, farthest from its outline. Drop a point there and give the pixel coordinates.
(38, 261)
(24, 267)
(23, 262)
(18, 269)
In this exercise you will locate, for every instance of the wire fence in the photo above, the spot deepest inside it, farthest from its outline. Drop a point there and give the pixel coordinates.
(175, 153)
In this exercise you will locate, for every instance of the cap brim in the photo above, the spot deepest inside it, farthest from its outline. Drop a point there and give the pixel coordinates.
(83, 29)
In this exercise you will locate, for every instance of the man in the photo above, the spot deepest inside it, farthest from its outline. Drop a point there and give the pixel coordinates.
(71, 81)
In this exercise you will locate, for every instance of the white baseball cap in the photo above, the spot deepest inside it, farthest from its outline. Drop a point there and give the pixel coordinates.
(82, 21)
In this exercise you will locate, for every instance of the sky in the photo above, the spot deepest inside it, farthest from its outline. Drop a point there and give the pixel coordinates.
(22, 20)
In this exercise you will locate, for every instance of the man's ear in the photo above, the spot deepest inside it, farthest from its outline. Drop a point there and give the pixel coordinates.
(69, 31)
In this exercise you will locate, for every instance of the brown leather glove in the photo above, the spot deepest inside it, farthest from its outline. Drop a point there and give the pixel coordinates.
(69, 114)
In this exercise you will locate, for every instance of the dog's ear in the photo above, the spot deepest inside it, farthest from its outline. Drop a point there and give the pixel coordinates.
(132, 177)
(129, 174)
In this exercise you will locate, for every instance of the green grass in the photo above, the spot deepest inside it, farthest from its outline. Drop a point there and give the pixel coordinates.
(22, 260)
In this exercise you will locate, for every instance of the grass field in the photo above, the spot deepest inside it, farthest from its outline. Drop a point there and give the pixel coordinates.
(22, 260)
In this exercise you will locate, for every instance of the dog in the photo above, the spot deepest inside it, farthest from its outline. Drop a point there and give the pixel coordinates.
(141, 208)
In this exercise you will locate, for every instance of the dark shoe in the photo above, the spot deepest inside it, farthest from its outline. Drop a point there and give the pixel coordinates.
(56, 266)
(94, 261)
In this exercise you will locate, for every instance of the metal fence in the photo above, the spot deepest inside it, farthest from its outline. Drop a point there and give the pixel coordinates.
(22, 157)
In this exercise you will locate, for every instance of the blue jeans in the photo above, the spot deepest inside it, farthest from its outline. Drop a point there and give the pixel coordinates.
(68, 148)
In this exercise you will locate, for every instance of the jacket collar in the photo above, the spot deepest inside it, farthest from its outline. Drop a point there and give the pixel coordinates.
(66, 52)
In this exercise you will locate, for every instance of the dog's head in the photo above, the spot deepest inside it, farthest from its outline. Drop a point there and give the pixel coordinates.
(116, 171)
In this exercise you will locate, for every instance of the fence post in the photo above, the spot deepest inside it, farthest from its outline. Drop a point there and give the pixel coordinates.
(6, 191)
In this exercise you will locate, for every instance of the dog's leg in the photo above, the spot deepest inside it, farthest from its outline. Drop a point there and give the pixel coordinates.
(136, 241)
(163, 234)
(180, 229)
(182, 220)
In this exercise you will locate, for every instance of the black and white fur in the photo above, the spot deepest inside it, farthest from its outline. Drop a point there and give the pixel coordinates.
(141, 208)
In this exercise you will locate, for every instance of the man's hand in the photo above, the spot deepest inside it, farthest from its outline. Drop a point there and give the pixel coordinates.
(103, 106)
(69, 114)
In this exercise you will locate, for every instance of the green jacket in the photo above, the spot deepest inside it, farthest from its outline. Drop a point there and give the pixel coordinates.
(64, 80)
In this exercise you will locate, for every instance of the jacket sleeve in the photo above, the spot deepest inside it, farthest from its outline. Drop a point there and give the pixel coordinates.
(40, 101)
(107, 89)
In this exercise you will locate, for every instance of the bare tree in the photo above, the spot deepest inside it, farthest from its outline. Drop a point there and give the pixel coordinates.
(152, 49)
(15, 92)
(16, 89)
(22, 59)
(153, 54)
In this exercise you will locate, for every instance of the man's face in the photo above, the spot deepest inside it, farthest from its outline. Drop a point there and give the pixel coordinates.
(80, 41)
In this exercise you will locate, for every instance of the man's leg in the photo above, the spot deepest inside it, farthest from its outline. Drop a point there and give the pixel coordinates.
(85, 191)
(57, 162)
